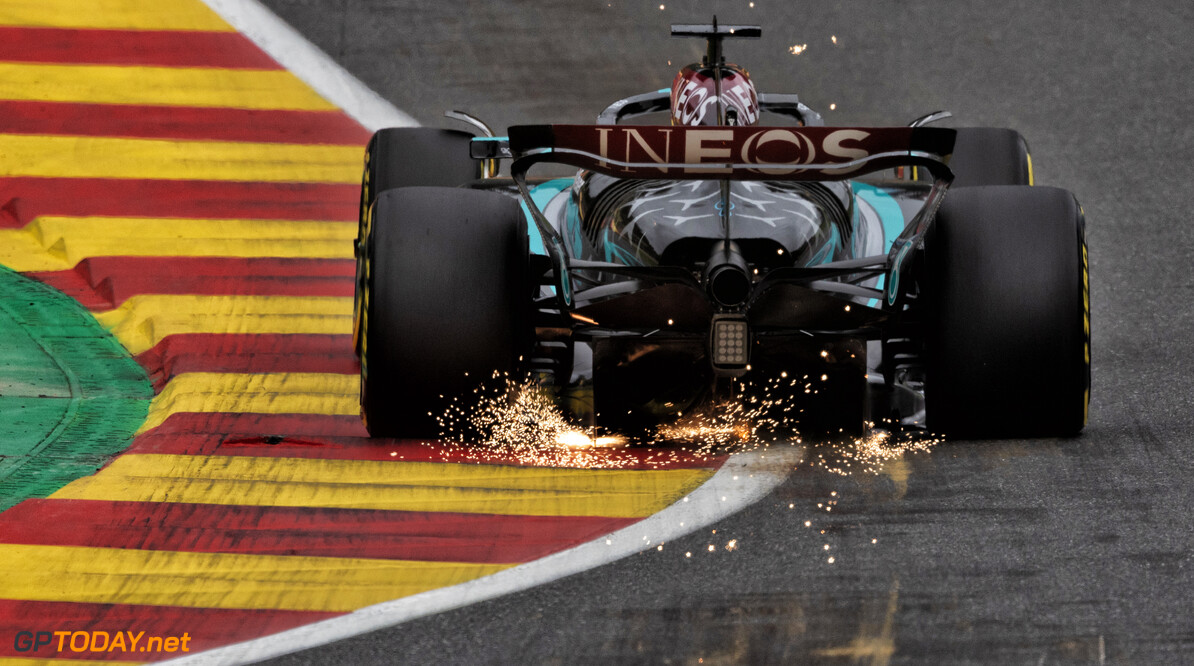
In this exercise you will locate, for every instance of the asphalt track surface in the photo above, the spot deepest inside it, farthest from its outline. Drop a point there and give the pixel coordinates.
(1031, 552)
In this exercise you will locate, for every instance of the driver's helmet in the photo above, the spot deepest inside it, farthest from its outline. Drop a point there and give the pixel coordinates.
(694, 96)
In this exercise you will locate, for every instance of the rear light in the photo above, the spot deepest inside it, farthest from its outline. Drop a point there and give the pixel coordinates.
(729, 344)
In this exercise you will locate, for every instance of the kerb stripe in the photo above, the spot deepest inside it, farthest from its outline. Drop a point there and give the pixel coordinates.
(172, 48)
(321, 532)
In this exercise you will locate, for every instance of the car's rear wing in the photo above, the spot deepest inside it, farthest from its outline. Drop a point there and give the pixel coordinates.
(734, 153)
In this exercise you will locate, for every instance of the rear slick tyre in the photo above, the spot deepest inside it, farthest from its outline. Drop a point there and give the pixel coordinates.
(407, 157)
(446, 303)
(990, 156)
(1008, 316)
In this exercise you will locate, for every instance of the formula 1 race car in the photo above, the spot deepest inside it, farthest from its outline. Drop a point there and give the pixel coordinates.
(910, 275)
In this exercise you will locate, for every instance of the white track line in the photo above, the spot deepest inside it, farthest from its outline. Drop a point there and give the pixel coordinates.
(743, 480)
(284, 44)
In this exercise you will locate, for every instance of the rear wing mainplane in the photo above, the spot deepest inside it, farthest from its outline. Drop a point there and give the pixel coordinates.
(733, 153)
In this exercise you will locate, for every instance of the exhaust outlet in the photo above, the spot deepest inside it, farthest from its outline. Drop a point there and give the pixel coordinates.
(726, 276)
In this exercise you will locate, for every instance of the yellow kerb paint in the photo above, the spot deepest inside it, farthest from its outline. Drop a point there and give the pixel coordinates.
(275, 393)
(143, 320)
(408, 486)
(218, 580)
(24, 661)
(112, 14)
(160, 86)
(154, 159)
(59, 243)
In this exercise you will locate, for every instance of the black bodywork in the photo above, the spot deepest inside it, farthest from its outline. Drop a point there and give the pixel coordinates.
(635, 273)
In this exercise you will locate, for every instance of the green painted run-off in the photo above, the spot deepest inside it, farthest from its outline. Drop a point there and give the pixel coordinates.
(71, 397)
